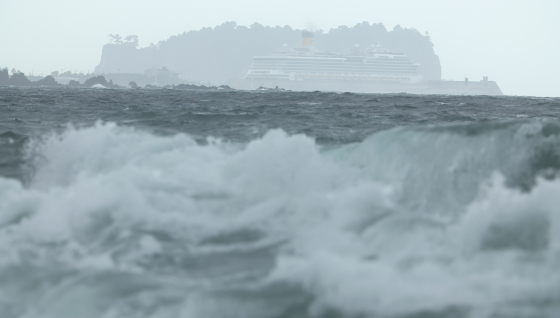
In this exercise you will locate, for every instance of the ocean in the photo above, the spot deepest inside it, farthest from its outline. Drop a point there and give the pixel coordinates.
(158, 203)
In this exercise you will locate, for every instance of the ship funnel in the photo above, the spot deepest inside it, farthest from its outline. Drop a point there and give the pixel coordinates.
(307, 38)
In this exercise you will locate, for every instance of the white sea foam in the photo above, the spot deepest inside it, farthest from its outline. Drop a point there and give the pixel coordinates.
(379, 228)
(500, 257)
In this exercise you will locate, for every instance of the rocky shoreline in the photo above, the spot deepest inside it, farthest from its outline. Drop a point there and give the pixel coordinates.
(19, 79)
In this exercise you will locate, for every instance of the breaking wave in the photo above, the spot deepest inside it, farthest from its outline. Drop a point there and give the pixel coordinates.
(434, 221)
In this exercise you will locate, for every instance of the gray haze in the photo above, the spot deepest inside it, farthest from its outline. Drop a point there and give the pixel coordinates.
(514, 42)
(219, 54)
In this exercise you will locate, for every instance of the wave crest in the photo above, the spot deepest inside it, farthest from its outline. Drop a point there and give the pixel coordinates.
(411, 221)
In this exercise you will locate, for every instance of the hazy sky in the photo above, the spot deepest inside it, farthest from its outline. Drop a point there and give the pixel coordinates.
(515, 42)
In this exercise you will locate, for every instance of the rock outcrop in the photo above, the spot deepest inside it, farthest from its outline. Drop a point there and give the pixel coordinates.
(47, 81)
(19, 79)
(4, 77)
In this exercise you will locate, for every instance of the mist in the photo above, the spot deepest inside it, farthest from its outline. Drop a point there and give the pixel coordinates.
(512, 42)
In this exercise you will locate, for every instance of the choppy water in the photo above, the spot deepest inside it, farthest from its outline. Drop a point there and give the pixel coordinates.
(161, 203)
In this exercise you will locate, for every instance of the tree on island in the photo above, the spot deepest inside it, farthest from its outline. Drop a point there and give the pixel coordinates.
(115, 38)
(132, 39)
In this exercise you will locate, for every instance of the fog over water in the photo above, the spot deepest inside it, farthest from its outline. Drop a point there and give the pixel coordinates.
(512, 42)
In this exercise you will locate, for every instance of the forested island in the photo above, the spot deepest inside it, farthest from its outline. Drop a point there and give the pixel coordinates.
(220, 54)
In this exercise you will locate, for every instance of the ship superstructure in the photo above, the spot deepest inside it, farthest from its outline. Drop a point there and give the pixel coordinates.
(308, 64)
(371, 69)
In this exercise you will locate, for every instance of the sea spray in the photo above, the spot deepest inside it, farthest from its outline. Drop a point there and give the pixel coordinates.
(140, 218)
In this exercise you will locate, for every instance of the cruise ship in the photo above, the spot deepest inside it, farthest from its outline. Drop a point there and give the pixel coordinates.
(371, 69)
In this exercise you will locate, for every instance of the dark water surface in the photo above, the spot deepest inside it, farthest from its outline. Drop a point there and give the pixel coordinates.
(166, 203)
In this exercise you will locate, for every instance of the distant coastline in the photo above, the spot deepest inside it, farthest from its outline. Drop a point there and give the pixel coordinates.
(19, 79)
